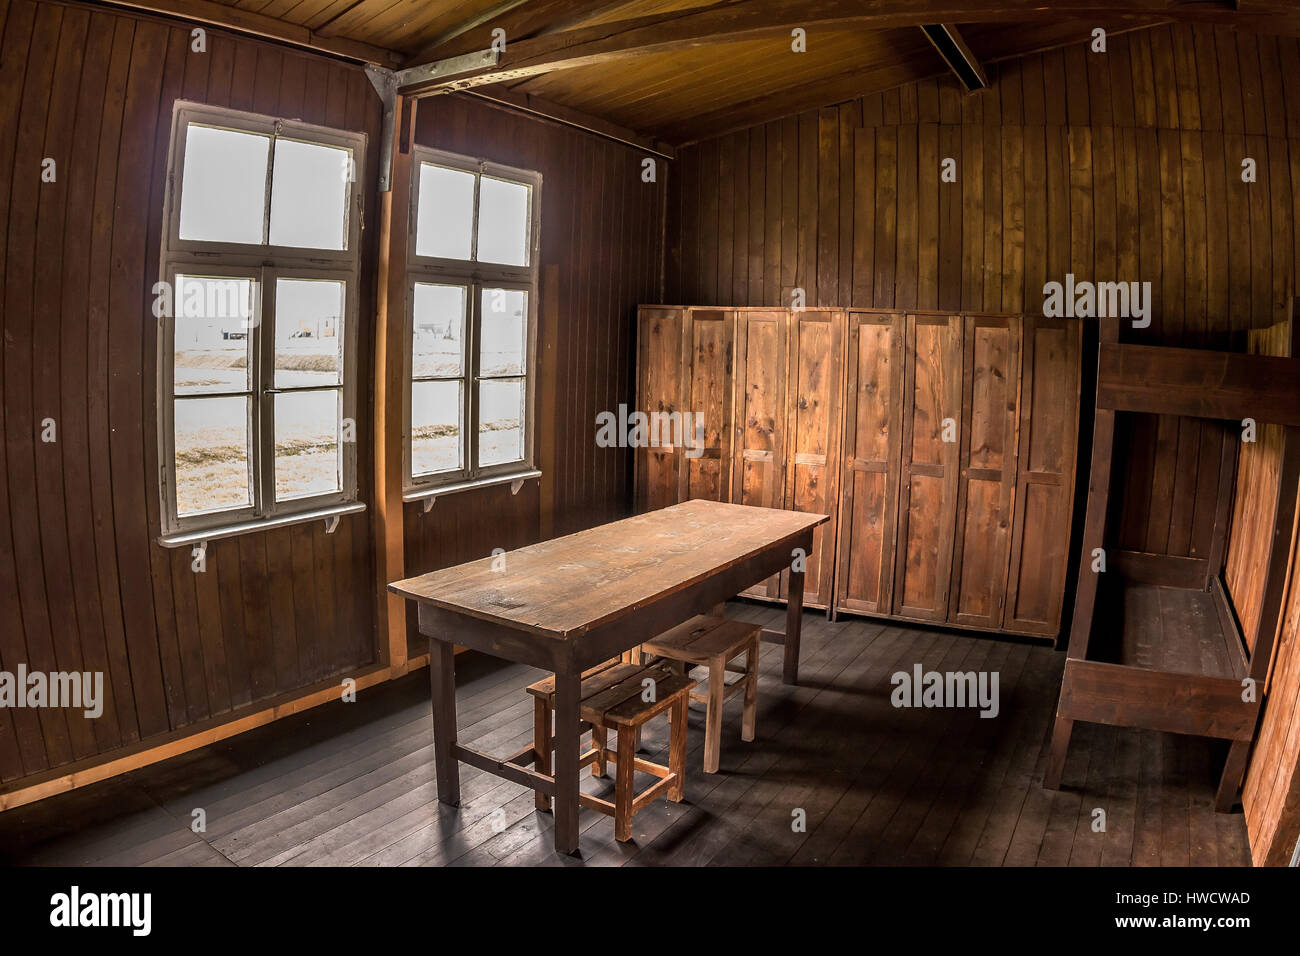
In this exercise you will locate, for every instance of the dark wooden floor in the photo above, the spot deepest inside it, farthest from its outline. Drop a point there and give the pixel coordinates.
(353, 783)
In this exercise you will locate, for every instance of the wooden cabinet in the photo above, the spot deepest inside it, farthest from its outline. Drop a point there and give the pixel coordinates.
(986, 485)
(758, 465)
(659, 379)
(941, 445)
(812, 461)
(706, 385)
(1045, 470)
(931, 397)
(869, 471)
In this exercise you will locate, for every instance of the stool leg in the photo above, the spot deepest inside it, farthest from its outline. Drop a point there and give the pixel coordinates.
(599, 742)
(624, 769)
(751, 691)
(677, 748)
(713, 716)
(542, 744)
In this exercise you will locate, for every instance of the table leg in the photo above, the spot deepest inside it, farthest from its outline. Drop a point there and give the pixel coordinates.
(442, 679)
(568, 743)
(793, 619)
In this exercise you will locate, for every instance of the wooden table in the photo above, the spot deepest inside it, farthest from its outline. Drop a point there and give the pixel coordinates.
(570, 603)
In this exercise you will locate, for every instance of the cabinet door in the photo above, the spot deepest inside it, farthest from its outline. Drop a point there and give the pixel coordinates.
(659, 370)
(707, 376)
(760, 390)
(815, 386)
(932, 370)
(1044, 506)
(987, 484)
(873, 426)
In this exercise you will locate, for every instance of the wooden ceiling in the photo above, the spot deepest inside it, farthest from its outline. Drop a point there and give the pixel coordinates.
(681, 70)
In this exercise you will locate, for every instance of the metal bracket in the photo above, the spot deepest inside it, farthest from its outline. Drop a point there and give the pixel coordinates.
(385, 84)
(428, 503)
(516, 485)
(331, 523)
(465, 63)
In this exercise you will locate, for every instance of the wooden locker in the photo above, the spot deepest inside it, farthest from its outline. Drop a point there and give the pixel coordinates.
(815, 360)
(659, 374)
(987, 482)
(872, 442)
(1049, 426)
(927, 508)
(707, 391)
(758, 457)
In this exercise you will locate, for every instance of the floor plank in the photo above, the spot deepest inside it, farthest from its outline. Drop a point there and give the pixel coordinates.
(353, 783)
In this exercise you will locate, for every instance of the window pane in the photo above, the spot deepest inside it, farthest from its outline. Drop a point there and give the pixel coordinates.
(211, 464)
(501, 421)
(436, 410)
(309, 194)
(438, 330)
(223, 187)
(445, 214)
(504, 340)
(503, 209)
(307, 458)
(212, 344)
(308, 332)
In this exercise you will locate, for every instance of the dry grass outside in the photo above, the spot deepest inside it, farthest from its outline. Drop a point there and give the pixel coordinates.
(293, 362)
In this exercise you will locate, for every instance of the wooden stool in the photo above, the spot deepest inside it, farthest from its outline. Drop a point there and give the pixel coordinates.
(715, 642)
(612, 698)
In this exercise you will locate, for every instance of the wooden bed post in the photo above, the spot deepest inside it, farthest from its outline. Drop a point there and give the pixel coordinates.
(1094, 536)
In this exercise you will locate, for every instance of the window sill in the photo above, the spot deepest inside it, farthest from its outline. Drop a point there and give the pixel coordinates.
(430, 494)
(328, 514)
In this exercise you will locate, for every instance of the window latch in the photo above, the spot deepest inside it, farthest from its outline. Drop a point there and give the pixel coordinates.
(268, 390)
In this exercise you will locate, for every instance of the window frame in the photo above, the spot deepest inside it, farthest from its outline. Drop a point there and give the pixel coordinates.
(264, 264)
(475, 277)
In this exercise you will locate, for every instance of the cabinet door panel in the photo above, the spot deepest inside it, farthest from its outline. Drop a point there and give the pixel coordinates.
(1049, 426)
(928, 475)
(707, 470)
(812, 462)
(873, 416)
(659, 373)
(760, 396)
(987, 484)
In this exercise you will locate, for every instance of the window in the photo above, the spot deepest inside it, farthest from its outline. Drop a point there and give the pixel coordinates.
(472, 300)
(257, 307)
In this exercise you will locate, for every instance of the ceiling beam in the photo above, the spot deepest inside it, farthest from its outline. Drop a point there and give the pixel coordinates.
(566, 116)
(964, 64)
(760, 19)
(521, 20)
(244, 21)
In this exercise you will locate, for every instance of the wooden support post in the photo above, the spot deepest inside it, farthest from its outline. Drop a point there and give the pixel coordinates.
(390, 320)
(1094, 536)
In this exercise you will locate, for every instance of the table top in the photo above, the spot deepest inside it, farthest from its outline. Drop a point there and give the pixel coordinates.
(566, 586)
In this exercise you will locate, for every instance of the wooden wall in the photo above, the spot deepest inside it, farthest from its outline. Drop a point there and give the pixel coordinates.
(1271, 793)
(602, 236)
(83, 583)
(1117, 166)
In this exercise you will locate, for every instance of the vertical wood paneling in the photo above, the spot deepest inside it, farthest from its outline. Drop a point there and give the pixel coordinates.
(1117, 166)
(83, 583)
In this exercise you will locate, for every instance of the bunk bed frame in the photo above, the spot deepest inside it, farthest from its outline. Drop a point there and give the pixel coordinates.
(1166, 650)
